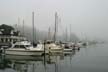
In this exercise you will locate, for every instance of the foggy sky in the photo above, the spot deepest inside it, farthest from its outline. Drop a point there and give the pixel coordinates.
(88, 18)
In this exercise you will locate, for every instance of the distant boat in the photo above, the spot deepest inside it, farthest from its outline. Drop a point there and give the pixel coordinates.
(25, 48)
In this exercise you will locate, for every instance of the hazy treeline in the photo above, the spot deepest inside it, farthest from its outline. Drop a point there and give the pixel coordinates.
(43, 35)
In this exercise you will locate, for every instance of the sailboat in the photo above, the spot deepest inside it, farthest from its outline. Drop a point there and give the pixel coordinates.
(68, 45)
(50, 45)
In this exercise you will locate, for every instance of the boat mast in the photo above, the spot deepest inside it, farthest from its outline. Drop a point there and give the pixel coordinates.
(55, 33)
(66, 35)
(18, 23)
(33, 24)
(49, 33)
(23, 27)
(70, 32)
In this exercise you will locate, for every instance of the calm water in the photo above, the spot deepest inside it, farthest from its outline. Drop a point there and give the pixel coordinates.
(90, 59)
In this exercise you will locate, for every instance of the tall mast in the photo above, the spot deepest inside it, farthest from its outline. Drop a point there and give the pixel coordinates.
(49, 34)
(33, 24)
(23, 27)
(18, 23)
(70, 32)
(66, 35)
(55, 33)
(19, 33)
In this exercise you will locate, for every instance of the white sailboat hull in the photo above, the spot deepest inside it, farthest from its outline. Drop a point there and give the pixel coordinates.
(56, 50)
(67, 50)
(53, 48)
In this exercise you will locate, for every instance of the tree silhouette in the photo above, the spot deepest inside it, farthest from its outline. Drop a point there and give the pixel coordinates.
(6, 29)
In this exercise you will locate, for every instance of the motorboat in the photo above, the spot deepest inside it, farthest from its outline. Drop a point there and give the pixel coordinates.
(25, 48)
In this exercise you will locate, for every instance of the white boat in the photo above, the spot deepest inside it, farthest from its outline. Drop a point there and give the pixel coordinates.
(53, 48)
(25, 48)
(67, 48)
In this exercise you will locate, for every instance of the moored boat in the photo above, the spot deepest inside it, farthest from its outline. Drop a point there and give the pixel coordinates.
(25, 48)
(53, 48)
(67, 47)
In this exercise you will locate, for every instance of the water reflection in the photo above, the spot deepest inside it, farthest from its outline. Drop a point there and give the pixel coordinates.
(47, 63)
(3, 63)
(90, 59)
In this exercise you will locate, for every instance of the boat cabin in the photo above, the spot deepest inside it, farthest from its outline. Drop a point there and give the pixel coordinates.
(22, 44)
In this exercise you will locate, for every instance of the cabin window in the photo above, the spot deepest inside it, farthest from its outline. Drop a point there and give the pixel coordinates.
(1, 39)
(22, 46)
(16, 46)
(6, 40)
(19, 46)
(48, 42)
(10, 39)
(28, 45)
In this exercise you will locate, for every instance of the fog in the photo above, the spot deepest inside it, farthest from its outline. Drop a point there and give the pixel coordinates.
(87, 18)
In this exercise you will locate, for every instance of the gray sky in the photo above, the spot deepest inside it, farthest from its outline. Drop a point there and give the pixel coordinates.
(88, 18)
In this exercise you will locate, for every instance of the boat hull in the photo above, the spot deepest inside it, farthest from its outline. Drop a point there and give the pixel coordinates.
(24, 52)
(24, 58)
(67, 50)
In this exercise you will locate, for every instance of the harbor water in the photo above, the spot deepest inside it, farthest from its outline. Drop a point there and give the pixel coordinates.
(92, 58)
